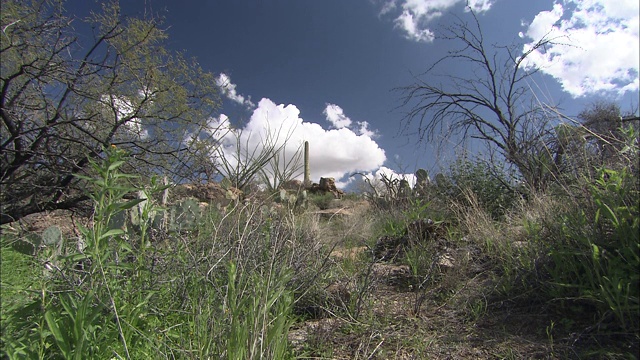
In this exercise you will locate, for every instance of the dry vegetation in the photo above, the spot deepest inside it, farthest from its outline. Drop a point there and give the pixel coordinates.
(261, 279)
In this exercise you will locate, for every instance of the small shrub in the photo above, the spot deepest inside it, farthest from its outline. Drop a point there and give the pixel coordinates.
(322, 201)
(489, 184)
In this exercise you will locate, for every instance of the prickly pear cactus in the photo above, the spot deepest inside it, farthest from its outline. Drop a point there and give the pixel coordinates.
(158, 220)
(282, 196)
(118, 221)
(185, 215)
(27, 245)
(302, 200)
(404, 189)
(31, 243)
(226, 183)
(442, 180)
(230, 194)
(52, 236)
(134, 215)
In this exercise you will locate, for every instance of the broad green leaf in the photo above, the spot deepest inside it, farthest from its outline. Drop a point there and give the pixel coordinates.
(125, 176)
(112, 232)
(611, 215)
(62, 340)
(115, 165)
(130, 204)
(126, 246)
(84, 177)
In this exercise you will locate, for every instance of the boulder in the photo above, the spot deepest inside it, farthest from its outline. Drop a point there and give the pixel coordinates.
(327, 185)
(295, 185)
(393, 275)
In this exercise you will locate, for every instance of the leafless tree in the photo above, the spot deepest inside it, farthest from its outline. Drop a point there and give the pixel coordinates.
(492, 103)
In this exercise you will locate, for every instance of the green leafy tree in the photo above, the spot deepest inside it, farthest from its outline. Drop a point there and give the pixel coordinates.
(598, 138)
(66, 95)
(605, 123)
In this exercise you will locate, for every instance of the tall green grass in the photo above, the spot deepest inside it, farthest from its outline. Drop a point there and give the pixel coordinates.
(226, 289)
(596, 254)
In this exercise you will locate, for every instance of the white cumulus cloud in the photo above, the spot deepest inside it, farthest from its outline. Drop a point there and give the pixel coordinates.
(411, 24)
(335, 115)
(363, 129)
(598, 45)
(415, 15)
(223, 81)
(480, 5)
(333, 153)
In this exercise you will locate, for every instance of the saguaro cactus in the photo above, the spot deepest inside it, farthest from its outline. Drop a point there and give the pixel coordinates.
(307, 172)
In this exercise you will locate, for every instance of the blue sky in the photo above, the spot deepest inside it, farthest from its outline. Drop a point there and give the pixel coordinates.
(326, 70)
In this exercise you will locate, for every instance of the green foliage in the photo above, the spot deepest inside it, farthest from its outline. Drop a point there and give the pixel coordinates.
(322, 200)
(71, 316)
(259, 324)
(422, 176)
(98, 100)
(488, 184)
(184, 215)
(393, 227)
(225, 284)
(149, 302)
(599, 255)
(422, 183)
(75, 327)
(293, 200)
(20, 305)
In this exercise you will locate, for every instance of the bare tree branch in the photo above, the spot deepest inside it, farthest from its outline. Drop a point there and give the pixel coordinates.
(63, 98)
(492, 104)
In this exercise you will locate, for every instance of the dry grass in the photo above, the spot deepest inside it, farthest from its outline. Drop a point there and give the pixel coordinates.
(480, 308)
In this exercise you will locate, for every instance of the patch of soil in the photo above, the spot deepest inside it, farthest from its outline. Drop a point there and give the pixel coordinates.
(349, 253)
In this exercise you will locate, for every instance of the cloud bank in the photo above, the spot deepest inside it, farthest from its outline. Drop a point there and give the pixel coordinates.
(415, 15)
(600, 50)
(335, 152)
